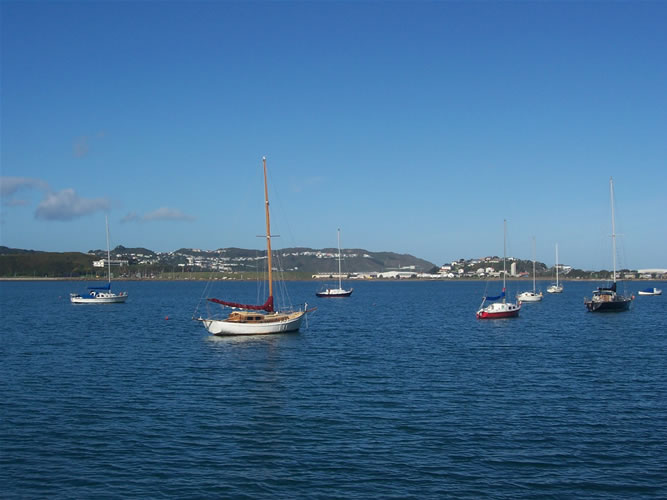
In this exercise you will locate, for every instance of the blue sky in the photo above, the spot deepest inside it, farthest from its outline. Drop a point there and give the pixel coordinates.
(414, 127)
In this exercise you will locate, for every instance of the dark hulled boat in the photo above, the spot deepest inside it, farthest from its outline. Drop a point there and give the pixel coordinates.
(607, 300)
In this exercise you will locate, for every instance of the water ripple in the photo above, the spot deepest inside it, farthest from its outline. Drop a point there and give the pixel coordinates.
(397, 392)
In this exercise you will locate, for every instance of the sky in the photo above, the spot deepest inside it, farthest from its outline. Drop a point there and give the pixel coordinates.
(413, 127)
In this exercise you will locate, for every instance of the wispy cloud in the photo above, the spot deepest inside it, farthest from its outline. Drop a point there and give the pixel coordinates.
(162, 213)
(55, 205)
(9, 186)
(131, 217)
(67, 205)
(82, 144)
(15, 202)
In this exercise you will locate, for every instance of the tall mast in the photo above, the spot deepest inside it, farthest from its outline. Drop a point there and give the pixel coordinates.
(613, 226)
(533, 264)
(106, 219)
(556, 264)
(339, 279)
(504, 254)
(268, 230)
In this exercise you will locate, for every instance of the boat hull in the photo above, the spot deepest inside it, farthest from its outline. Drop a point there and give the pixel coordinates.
(656, 291)
(99, 299)
(499, 311)
(225, 327)
(618, 305)
(555, 289)
(329, 293)
(529, 297)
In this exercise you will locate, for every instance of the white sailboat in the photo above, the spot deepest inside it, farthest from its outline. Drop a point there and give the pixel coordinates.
(531, 296)
(502, 309)
(100, 294)
(557, 287)
(329, 292)
(650, 291)
(257, 319)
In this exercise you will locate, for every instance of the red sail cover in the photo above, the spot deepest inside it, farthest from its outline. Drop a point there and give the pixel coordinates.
(267, 306)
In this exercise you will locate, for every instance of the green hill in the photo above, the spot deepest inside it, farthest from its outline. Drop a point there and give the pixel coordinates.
(49, 264)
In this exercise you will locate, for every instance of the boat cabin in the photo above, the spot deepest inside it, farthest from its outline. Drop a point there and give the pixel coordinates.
(604, 295)
(254, 317)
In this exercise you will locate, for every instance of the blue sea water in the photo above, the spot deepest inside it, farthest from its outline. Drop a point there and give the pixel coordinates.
(396, 392)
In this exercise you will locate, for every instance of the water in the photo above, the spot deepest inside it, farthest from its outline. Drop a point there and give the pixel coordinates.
(396, 392)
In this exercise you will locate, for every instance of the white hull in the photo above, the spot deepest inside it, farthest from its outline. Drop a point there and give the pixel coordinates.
(499, 310)
(656, 291)
(100, 298)
(226, 327)
(555, 289)
(529, 297)
(335, 292)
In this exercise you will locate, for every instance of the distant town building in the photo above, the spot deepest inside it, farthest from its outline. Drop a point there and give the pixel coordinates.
(650, 273)
(115, 263)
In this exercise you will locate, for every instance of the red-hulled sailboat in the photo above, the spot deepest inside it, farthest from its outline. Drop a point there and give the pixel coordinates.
(502, 309)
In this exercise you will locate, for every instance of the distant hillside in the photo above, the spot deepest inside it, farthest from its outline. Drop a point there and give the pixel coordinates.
(15, 262)
(120, 249)
(39, 264)
(13, 251)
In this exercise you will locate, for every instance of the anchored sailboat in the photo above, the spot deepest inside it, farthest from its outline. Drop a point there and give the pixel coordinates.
(340, 291)
(100, 294)
(257, 319)
(502, 309)
(531, 296)
(605, 299)
(557, 287)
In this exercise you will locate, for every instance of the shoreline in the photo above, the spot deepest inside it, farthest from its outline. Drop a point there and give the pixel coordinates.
(383, 280)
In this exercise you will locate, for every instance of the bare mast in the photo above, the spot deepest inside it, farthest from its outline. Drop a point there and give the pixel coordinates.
(340, 285)
(613, 226)
(106, 219)
(504, 254)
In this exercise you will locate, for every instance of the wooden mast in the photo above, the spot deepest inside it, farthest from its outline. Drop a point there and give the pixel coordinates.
(268, 230)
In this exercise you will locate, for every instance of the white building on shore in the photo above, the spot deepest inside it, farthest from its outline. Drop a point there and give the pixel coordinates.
(114, 263)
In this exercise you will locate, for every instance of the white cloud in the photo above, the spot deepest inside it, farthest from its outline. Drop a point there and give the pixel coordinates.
(60, 205)
(162, 213)
(67, 205)
(9, 186)
(131, 217)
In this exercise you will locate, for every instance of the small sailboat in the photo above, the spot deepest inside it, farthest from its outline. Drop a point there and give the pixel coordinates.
(257, 319)
(529, 296)
(340, 291)
(606, 299)
(100, 294)
(556, 287)
(502, 309)
(650, 291)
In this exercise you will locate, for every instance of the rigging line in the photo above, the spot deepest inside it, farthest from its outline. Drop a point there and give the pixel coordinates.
(201, 298)
(282, 288)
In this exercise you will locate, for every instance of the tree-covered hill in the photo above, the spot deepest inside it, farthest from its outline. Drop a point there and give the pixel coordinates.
(51, 264)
